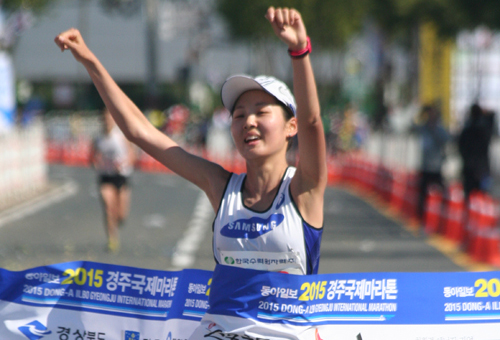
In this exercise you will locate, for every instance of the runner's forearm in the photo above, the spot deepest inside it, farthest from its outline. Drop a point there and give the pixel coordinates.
(126, 114)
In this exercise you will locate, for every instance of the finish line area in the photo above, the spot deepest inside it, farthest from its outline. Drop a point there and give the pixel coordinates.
(104, 301)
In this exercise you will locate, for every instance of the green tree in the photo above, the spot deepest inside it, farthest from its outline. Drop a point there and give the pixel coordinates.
(484, 12)
(332, 22)
(18, 16)
(36, 6)
(449, 16)
(329, 22)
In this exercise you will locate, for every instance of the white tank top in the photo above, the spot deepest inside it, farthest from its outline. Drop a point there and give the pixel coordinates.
(277, 239)
(114, 151)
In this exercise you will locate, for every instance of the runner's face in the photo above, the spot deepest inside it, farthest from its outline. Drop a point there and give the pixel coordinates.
(258, 125)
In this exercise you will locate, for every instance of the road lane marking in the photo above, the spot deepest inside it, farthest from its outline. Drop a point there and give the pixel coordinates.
(154, 221)
(38, 203)
(186, 248)
(454, 253)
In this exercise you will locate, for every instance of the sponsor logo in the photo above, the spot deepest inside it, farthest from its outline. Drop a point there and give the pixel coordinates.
(253, 227)
(281, 200)
(229, 260)
(316, 335)
(132, 335)
(34, 330)
(169, 336)
(212, 325)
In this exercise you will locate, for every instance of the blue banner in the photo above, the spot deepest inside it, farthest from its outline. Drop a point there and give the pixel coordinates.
(369, 298)
(103, 301)
(90, 301)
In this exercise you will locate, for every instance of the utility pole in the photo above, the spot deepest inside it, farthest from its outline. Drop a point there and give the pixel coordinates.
(83, 25)
(151, 54)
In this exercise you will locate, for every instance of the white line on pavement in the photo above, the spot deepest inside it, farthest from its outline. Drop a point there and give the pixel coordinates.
(187, 246)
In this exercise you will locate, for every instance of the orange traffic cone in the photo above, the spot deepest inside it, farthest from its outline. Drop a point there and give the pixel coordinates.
(432, 210)
(493, 247)
(398, 191)
(454, 217)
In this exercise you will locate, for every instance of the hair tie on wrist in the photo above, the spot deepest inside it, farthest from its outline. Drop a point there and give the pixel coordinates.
(301, 53)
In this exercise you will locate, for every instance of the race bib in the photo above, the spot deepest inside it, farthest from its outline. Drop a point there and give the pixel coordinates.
(288, 262)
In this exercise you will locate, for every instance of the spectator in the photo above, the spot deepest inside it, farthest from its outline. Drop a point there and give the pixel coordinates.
(434, 138)
(473, 145)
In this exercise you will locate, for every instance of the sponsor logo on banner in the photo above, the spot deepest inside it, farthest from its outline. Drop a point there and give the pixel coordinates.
(252, 227)
(34, 330)
(132, 335)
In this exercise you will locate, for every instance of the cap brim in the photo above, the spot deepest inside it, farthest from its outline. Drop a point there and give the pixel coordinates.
(234, 87)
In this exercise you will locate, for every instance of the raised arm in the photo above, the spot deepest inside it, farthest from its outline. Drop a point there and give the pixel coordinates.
(310, 181)
(138, 129)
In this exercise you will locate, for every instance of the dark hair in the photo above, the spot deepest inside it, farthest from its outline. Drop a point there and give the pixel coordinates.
(427, 108)
(287, 111)
(475, 111)
(288, 114)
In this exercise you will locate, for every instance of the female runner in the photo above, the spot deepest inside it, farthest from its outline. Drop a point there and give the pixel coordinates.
(113, 157)
(270, 218)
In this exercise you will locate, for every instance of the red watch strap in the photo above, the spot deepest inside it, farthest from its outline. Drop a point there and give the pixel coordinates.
(303, 52)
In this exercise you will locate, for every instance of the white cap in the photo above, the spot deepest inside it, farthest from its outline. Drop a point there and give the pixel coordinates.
(235, 86)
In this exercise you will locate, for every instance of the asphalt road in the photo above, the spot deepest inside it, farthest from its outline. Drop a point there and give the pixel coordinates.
(170, 228)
